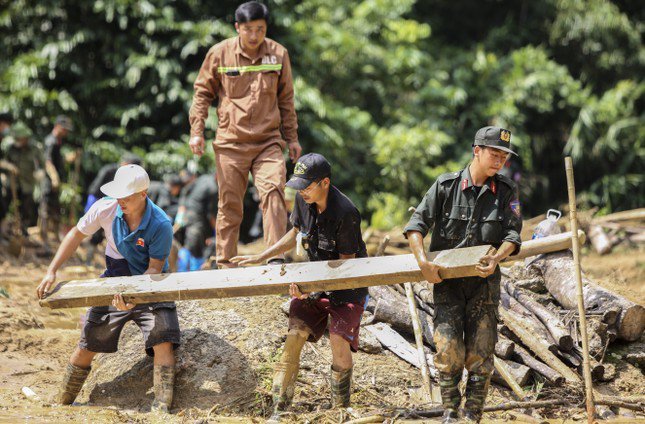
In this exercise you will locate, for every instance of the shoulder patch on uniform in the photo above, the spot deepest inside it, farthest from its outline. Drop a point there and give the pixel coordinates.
(448, 176)
(515, 207)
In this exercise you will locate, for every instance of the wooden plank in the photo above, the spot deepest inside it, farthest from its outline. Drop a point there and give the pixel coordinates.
(549, 244)
(262, 280)
(395, 343)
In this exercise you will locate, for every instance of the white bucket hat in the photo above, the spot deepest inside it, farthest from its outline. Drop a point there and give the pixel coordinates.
(129, 179)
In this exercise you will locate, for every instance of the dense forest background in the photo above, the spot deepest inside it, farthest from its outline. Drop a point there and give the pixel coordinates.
(391, 91)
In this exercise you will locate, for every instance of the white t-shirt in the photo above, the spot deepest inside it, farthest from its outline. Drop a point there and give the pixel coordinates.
(101, 215)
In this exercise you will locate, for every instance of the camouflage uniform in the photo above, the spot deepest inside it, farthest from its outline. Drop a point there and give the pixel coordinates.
(465, 321)
(28, 159)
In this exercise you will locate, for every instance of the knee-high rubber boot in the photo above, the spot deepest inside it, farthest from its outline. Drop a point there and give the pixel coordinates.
(341, 387)
(450, 396)
(163, 387)
(476, 391)
(72, 384)
(285, 373)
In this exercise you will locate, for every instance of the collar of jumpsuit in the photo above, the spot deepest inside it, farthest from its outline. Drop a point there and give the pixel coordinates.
(262, 50)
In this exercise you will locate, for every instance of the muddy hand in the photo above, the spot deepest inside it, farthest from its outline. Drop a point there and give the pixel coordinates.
(430, 272)
(120, 304)
(487, 266)
(294, 291)
(45, 284)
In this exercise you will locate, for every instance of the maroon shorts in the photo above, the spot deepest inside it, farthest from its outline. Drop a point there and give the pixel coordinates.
(312, 317)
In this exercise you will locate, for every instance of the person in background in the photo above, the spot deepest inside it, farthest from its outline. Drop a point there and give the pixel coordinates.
(26, 157)
(50, 210)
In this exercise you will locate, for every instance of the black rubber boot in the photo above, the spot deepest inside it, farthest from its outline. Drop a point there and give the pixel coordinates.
(341, 387)
(283, 389)
(72, 384)
(450, 396)
(476, 391)
(163, 386)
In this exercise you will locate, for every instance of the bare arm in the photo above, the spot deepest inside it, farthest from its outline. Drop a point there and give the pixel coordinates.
(286, 243)
(52, 173)
(429, 270)
(67, 248)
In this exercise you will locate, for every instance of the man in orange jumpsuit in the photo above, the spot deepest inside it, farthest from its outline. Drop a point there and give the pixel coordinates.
(250, 76)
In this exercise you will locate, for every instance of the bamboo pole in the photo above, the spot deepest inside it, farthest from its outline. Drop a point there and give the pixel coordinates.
(418, 336)
(503, 370)
(573, 216)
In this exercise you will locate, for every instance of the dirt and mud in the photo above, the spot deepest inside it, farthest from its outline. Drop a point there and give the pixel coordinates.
(224, 366)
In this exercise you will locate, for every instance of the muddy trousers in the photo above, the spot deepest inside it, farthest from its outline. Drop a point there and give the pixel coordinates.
(465, 333)
(265, 162)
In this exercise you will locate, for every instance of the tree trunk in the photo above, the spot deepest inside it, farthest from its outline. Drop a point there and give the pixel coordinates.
(391, 308)
(504, 348)
(528, 319)
(559, 278)
(541, 349)
(550, 320)
(523, 356)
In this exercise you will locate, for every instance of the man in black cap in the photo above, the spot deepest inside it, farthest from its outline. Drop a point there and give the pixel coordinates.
(471, 207)
(105, 175)
(50, 212)
(328, 226)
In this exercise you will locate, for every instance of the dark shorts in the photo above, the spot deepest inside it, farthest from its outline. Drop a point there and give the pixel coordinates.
(157, 321)
(312, 317)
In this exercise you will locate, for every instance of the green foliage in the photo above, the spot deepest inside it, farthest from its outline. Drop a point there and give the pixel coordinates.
(391, 92)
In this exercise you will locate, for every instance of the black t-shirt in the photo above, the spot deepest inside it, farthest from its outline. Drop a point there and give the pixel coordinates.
(334, 232)
(53, 154)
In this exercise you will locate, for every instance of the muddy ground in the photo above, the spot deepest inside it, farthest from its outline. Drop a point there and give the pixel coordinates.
(224, 366)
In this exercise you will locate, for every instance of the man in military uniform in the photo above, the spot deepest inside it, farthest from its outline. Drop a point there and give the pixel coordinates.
(26, 157)
(474, 206)
(198, 211)
(329, 226)
(250, 76)
(54, 167)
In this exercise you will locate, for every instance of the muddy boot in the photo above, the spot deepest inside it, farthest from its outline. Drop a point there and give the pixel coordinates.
(284, 385)
(476, 391)
(450, 396)
(72, 384)
(341, 387)
(164, 382)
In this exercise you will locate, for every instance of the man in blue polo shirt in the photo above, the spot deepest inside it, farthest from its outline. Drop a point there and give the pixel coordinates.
(139, 237)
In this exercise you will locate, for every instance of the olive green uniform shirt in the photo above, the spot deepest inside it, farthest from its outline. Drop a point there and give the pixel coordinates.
(463, 215)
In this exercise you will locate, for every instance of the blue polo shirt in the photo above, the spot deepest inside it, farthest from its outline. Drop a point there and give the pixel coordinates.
(152, 239)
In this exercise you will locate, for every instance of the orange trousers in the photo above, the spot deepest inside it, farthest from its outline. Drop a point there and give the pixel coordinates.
(266, 164)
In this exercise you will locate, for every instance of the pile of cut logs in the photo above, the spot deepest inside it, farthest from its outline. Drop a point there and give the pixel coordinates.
(538, 323)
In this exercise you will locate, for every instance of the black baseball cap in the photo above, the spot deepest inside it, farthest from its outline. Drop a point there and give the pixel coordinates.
(65, 122)
(309, 168)
(495, 137)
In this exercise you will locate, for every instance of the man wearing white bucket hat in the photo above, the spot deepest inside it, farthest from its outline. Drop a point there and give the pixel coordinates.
(139, 237)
